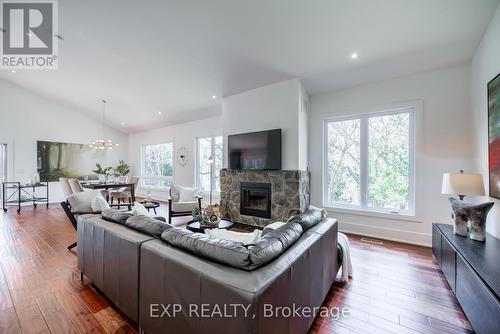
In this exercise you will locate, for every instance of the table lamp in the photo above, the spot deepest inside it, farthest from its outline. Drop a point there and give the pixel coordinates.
(463, 184)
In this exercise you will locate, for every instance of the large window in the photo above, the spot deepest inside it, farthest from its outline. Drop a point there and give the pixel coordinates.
(209, 160)
(369, 162)
(157, 165)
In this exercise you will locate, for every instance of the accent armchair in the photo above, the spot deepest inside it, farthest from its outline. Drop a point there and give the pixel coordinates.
(83, 203)
(182, 201)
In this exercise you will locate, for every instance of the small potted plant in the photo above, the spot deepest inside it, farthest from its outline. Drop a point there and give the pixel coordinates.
(102, 172)
(205, 219)
(122, 169)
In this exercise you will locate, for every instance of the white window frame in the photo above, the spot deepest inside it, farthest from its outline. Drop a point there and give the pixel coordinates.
(160, 178)
(197, 167)
(414, 117)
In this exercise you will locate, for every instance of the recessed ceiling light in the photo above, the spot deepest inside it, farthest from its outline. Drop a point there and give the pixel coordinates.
(354, 55)
(214, 97)
(159, 112)
(123, 123)
(13, 71)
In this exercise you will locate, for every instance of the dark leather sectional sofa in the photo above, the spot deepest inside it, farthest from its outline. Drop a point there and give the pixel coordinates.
(170, 280)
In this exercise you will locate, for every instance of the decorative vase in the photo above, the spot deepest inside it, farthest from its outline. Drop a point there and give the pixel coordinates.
(469, 212)
(459, 216)
(477, 217)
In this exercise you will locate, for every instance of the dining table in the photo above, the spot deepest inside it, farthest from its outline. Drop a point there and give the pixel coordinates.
(110, 185)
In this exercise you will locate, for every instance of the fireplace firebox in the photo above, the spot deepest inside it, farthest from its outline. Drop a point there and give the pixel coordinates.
(255, 199)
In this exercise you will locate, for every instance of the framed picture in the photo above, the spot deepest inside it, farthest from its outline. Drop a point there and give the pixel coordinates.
(494, 136)
(55, 160)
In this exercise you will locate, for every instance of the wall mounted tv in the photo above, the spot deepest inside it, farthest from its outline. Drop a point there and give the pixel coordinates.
(255, 150)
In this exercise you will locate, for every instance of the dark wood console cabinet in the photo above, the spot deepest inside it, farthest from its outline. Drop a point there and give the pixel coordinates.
(473, 270)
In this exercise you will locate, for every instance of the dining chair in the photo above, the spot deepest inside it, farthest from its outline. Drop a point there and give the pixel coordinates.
(124, 194)
(75, 185)
(65, 186)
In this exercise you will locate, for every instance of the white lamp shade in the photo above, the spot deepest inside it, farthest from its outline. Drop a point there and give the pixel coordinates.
(463, 184)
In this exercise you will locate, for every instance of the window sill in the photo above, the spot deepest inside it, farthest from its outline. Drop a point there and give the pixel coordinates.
(409, 217)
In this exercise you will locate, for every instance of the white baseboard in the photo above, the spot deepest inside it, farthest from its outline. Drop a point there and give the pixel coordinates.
(408, 237)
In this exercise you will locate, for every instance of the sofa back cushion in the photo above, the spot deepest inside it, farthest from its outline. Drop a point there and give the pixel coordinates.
(235, 254)
(148, 225)
(223, 251)
(116, 216)
(308, 218)
(264, 252)
(286, 234)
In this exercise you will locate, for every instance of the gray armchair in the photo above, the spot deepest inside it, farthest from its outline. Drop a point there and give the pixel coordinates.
(182, 201)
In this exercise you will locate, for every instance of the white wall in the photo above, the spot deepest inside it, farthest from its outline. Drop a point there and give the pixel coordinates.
(181, 135)
(26, 118)
(446, 145)
(303, 129)
(265, 108)
(485, 66)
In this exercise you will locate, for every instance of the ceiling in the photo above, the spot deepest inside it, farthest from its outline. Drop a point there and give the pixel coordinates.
(153, 56)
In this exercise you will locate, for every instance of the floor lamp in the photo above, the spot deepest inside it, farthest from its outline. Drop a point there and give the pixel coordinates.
(211, 164)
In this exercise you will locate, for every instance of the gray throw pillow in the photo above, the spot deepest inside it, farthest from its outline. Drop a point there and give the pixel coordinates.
(148, 225)
(115, 216)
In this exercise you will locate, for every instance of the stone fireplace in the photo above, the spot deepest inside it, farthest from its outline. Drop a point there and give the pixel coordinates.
(259, 197)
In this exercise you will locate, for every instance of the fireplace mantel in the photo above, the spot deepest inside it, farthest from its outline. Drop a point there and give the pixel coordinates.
(290, 190)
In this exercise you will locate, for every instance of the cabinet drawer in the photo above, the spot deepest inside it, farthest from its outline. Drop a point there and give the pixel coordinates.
(448, 258)
(436, 244)
(479, 304)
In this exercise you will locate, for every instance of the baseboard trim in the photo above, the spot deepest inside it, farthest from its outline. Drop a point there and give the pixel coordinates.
(407, 237)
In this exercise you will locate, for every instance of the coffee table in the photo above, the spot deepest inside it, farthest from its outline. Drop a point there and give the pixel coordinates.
(151, 205)
(194, 225)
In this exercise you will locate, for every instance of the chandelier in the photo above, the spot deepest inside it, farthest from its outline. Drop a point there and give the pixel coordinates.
(101, 143)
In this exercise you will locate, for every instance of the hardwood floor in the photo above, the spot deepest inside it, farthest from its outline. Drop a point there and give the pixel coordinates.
(396, 288)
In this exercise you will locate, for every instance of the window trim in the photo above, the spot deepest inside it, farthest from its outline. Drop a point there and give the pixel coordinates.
(197, 163)
(414, 110)
(143, 177)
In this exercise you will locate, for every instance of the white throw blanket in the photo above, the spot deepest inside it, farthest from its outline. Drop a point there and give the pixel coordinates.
(346, 265)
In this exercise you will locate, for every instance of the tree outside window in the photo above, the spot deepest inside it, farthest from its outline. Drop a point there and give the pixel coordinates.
(157, 165)
(369, 162)
(209, 149)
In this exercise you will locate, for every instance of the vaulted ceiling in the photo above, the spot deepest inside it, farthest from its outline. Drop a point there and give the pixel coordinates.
(172, 57)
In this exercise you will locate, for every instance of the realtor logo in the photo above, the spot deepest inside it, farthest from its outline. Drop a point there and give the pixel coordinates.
(28, 35)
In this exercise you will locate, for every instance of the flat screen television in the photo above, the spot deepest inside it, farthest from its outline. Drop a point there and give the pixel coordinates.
(255, 150)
